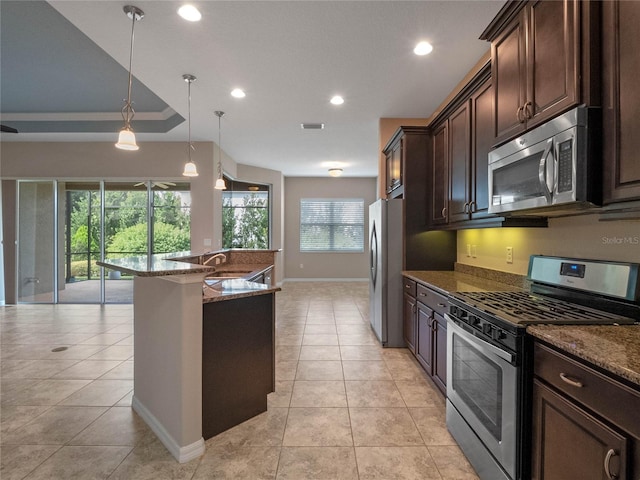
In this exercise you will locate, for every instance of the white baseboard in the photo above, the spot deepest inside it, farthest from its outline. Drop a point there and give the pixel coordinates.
(181, 454)
(325, 280)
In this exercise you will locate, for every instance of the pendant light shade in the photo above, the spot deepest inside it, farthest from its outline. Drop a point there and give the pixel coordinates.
(190, 169)
(127, 139)
(220, 185)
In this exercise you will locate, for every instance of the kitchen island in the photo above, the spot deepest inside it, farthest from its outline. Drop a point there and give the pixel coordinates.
(185, 329)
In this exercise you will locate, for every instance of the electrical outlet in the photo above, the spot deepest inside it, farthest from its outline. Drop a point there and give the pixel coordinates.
(301, 265)
(474, 251)
(468, 249)
(509, 254)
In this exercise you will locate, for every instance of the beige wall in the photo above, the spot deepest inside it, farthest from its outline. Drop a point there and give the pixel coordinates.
(101, 160)
(580, 237)
(323, 265)
(276, 180)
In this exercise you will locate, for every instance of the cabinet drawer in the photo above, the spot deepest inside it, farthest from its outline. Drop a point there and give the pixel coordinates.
(603, 395)
(409, 286)
(435, 301)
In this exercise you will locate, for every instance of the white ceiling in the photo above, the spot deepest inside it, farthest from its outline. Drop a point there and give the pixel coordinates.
(289, 56)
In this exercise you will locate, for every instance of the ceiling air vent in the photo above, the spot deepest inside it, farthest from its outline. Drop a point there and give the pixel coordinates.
(312, 126)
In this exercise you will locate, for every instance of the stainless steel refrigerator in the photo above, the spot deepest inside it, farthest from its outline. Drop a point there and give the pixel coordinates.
(385, 269)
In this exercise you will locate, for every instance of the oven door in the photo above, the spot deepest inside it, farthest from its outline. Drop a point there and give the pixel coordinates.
(482, 386)
(521, 180)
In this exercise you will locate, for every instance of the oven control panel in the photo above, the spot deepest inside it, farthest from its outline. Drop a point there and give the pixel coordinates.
(487, 329)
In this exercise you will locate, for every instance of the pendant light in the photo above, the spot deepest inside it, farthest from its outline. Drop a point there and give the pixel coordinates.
(220, 185)
(126, 138)
(189, 167)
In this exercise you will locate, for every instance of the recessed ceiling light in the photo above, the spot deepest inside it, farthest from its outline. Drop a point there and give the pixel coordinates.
(335, 172)
(337, 100)
(190, 13)
(423, 48)
(238, 93)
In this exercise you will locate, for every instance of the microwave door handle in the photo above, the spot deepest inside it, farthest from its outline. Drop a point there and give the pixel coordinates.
(542, 171)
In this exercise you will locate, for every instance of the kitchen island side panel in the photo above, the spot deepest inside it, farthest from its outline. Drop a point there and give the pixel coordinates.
(238, 361)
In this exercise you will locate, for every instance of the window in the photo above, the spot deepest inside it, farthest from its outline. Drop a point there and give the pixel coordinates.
(245, 215)
(331, 225)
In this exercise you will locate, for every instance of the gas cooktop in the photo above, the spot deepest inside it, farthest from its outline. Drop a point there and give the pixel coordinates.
(524, 308)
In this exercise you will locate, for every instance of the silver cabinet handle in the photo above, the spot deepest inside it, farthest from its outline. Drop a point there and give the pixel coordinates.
(607, 461)
(566, 379)
(422, 294)
(444, 212)
(518, 117)
(465, 209)
(442, 304)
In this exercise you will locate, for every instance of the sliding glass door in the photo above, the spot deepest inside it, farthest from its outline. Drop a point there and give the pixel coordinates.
(37, 241)
(65, 228)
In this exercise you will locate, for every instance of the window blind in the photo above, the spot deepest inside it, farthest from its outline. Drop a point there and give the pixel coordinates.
(331, 225)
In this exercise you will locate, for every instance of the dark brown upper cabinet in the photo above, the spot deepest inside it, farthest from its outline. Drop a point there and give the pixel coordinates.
(470, 140)
(393, 163)
(542, 54)
(439, 175)
(621, 100)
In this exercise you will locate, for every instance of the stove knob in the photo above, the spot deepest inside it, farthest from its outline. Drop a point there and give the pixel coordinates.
(487, 328)
(498, 334)
(474, 321)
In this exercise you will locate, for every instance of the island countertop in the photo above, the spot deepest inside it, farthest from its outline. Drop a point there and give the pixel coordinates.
(156, 265)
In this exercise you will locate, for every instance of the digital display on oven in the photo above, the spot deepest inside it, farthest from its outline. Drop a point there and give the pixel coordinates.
(572, 269)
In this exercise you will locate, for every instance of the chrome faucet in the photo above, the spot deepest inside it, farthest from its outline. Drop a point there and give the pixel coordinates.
(217, 255)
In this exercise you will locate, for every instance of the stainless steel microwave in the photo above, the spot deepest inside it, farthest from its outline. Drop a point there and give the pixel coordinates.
(552, 168)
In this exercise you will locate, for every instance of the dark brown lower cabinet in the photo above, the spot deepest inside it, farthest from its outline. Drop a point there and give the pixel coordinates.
(570, 443)
(440, 352)
(431, 341)
(409, 322)
(424, 344)
(585, 423)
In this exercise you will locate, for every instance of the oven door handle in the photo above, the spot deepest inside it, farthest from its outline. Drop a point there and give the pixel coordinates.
(478, 342)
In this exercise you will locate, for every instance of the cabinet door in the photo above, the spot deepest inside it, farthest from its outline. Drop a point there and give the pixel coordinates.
(459, 163)
(440, 352)
(508, 70)
(570, 443)
(481, 142)
(424, 345)
(621, 102)
(394, 167)
(439, 201)
(552, 59)
(409, 320)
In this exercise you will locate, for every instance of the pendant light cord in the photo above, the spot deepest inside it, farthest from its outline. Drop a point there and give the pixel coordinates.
(189, 119)
(127, 111)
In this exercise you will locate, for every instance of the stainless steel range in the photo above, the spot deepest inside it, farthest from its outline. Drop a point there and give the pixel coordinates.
(489, 355)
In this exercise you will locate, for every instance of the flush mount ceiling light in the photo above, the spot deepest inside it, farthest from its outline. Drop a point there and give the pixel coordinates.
(190, 169)
(423, 48)
(335, 172)
(337, 100)
(220, 185)
(126, 138)
(189, 13)
(238, 93)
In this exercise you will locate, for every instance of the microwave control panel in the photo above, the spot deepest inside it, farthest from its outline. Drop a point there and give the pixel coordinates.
(565, 166)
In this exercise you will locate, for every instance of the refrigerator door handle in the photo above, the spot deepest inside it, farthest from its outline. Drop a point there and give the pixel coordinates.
(373, 255)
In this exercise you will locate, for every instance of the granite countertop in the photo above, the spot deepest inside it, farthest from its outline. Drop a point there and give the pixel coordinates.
(615, 348)
(230, 289)
(450, 281)
(155, 265)
(214, 290)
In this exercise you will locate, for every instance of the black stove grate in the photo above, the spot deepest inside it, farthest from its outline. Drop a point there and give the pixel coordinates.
(522, 307)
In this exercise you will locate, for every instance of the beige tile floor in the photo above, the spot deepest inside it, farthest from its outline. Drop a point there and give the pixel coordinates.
(344, 408)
